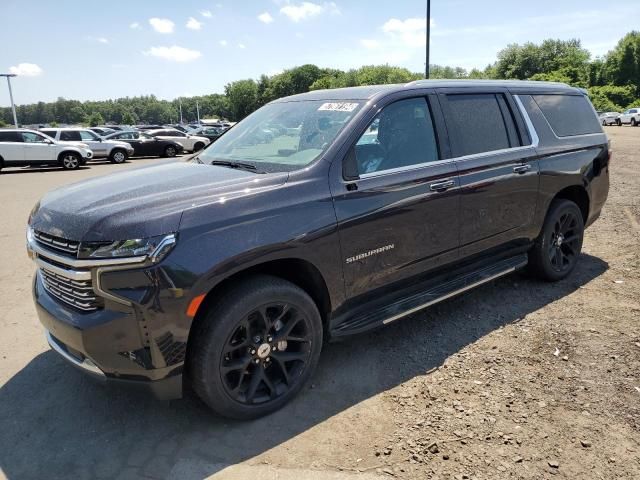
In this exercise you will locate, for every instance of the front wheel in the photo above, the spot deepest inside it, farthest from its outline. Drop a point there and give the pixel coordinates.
(619, 122)
(556, 250)
(255, 347)
(604, 123)
(118, 156)
(70, 161)
(634, 122)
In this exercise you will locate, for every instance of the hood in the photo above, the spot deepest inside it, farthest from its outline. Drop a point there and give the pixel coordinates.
(142, 202)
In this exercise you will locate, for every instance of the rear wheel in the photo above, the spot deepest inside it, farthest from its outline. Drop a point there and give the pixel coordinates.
(556, 250)
(604, 123)
(70, 161)
(198, 146)
(255, 348)
(619, 122)
(170, 151)
(118, 156)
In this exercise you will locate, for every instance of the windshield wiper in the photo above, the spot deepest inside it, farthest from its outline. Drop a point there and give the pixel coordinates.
(238, 165)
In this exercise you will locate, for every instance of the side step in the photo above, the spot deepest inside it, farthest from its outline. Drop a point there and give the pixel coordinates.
(415, 302)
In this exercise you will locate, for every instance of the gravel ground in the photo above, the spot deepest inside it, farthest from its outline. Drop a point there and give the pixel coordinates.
(517, 379)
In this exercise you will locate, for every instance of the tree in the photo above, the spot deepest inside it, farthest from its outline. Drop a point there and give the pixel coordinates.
(243, 98)
(622, 64)
(129, 118)
(95, 119)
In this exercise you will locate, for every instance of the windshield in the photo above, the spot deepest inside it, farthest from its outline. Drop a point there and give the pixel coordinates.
(282, 136)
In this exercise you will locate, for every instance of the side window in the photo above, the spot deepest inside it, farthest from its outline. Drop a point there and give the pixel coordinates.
(10, 137)
(480, 123)
(31, 137)
(176, 133)
(568, 115)
(87, 135)
(401, 135)
(50, 133)
(70, 136)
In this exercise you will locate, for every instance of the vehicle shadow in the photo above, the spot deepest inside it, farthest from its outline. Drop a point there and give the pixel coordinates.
(58, 424)
(27, 170)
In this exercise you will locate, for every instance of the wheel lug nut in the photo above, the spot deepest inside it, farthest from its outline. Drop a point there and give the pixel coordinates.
(275, 348)
(257, 360)
(252, 351)
(269, 339)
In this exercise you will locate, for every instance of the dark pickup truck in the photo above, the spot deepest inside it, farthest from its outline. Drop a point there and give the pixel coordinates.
(230, 270)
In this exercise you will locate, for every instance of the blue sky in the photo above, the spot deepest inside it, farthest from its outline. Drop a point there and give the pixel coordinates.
(89, 50)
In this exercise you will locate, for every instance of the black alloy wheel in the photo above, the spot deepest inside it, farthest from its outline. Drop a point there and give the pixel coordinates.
(254, 346)
(557, 249)
(265, 354)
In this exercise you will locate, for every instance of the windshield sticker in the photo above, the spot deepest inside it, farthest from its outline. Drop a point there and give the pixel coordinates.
(338, 107)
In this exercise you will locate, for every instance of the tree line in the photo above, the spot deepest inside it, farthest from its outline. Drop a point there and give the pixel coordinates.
(613, 82)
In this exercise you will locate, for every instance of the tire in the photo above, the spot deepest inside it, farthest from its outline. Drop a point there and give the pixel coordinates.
(118, 156)
(634, 123)
(604, 123)
(170, 151)
(198, 146)
(619, 122)
(255, 348)
(70, 161)
(556, 251)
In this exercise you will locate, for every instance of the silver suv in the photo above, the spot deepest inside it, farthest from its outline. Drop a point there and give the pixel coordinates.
(116, 152)
(21, 147)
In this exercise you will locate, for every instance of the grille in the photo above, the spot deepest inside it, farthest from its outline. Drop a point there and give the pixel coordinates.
(77, 293)
(56, 243)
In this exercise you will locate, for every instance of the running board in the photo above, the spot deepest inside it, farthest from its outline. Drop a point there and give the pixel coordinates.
(436, 293)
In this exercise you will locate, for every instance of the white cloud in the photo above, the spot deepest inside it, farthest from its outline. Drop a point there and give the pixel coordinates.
(162, 25)
(223, 43)
(265, 17)
(26, 70)
(410, 32)
(242, 46)
(134, 25)
(194, 24)
(174, 53)
(102, 40)
(306, 10)
(369, 43)
(206, 13)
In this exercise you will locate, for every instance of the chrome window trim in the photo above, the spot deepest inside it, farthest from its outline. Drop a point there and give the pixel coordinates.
(535, 141)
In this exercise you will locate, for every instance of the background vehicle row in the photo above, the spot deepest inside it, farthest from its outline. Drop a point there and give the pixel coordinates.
(115, 151)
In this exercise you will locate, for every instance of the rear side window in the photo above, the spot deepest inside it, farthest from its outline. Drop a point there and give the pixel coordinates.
(70, 136)
(480, 123)
(10, 137)
(568, 115)
(51, 133)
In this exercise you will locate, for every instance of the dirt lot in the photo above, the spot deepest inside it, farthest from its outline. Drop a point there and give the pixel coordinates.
(517, 379)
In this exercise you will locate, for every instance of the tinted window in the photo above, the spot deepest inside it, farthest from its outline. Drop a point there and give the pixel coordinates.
(400, 136)
(70, 136)
(568, 115)
(51, 133)
(480, 123)
(9, 137)
(31, 137)
(126, 136)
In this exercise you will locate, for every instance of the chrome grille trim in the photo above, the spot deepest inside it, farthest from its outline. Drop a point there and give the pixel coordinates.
(60, 244)
(70, 287)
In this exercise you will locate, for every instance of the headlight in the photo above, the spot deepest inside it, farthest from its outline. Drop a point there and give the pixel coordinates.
(155, 248)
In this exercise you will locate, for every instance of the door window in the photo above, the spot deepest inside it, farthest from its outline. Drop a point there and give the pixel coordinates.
(400, 136)
(10, 137)
(88, 136)
(70, 136)
(480, 123)
(568, 115)
(31, 137)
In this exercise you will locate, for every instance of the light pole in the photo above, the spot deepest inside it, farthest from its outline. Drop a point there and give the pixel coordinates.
(426, 70)
(13, 107)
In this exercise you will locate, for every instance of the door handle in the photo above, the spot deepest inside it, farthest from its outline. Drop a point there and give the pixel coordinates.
(442, 186)
(520, 169)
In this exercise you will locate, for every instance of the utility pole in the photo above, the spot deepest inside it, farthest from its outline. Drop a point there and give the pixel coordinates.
(426, 69)
(180, 100)
(13, 107)
(198, 111)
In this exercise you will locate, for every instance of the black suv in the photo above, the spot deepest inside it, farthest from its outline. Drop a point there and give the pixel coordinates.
(231, 269)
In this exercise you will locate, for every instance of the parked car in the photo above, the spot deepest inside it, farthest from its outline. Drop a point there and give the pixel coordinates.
(116, 152)
(231, 270)
(181, 128)
(103, 132)
(609, 118)
(212, 133)
(148, 127)
(146, 145)
(22, 147)
(191, 143)
(631, 117)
